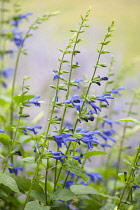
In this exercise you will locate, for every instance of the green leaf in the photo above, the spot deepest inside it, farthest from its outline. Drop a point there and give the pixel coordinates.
(85, 190)
(33, 205)
(40, 196)
(24, 184)
(92, 153)
(28, 159)
(101, 65)
(5, 139)
(73, 166)
(8, 181)
(130, 119)
(58, 205)
(1, 156)
(21, 98)
(63, 194)
(4, 100)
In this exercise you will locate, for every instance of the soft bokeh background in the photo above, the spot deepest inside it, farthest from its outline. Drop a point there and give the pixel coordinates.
(43, 46)
(54, 34)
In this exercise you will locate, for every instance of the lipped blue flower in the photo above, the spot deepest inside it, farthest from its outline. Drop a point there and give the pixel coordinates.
(32, 128)
(36, 146)
(89, 116)
(135, 186)
(88, 137)
(34, 101)
(109, 122)
(7, 72)
(4, 84)
(78, 82)
(94, 176)
(69, 183)
(107, 134)
(104, 97)
(59, 156)
(95, 107)
(105, 145)
(57, 76)
(73, 175)
(17, 37)
(100, 79)
(75, 101)
(2, 131)
(78, 158)
(116, 91)
(18, 153)
(63, 138)
(13, 169)
(18, 19)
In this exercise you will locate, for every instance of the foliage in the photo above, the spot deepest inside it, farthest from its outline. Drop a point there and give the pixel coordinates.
(47, 167)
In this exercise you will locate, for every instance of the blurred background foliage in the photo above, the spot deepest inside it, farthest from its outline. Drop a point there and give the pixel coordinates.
(43, 46)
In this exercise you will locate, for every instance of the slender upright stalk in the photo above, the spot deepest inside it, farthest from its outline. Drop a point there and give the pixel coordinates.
(87, 92)
(134, 166)
(122, 142)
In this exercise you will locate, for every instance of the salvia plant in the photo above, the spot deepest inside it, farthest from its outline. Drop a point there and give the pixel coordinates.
(81, 158)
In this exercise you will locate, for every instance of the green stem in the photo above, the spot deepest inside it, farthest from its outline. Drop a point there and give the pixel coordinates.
(31, 185)
(122, 142)
(66, 179)
(15, 75)
(130, 176)
(46, 179)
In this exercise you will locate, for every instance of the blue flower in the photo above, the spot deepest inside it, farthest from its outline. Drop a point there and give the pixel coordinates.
(107, 135)
(36, 146)
(95, 107)
(90, 116)
(7, 72)
(17, 37)
(13, 169)
(17, 20)
(75, 101)
(2, 131)
(94, 176)
(110, 122)
(4, 84)
(31, 128)
(135, 186)
(78, 81)
(78, 158)
(68, 183)
(116, 91)
(73, 175)
(18, 153)
(63, 138)
(34, 101)
(59, 156)
(104, 98)
(105, 145)
(24, 16)
(88, 137)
